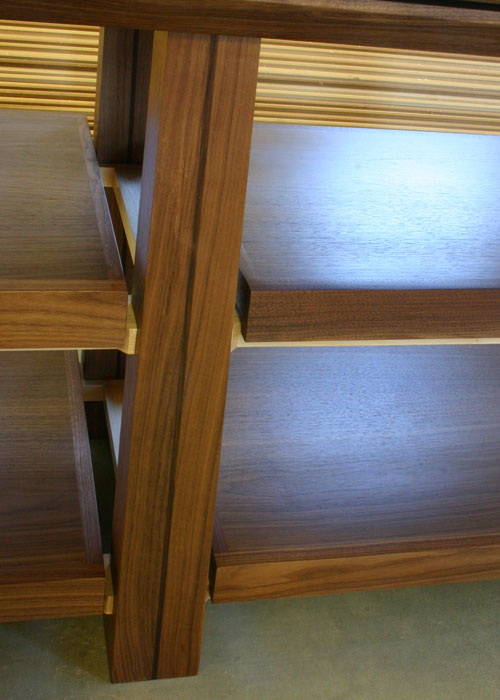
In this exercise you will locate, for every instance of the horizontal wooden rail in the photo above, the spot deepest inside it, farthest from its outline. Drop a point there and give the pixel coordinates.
(129, 346)
(461, 27)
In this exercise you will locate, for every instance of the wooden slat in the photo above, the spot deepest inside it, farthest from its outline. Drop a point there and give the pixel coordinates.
(332, 85)
(61, 282)
(304, 83)
(50, 552)
(48, 67)
(353, 468)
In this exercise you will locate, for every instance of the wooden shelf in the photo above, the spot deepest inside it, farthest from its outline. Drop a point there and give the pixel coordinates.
(50, 552)
(359, 234)
(61, 282)
(357, 468)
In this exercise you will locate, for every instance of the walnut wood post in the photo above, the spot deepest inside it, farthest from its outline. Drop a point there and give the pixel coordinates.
(120, 127)
(196, 157)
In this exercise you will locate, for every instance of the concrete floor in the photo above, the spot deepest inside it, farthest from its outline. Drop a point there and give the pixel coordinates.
(430, 643)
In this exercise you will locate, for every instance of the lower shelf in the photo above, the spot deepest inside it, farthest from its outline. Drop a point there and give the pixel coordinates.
(357, 468)
(50, 552)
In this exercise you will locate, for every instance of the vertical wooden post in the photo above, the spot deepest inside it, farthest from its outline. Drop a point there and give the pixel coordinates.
(195, 168)
(122, 95)
(120, 127)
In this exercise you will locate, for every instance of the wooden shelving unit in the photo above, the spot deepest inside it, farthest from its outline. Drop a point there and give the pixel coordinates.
(350, 468)
(61, 282)
(50, 549)
(61, 286)
(357, 468)
(393, 483)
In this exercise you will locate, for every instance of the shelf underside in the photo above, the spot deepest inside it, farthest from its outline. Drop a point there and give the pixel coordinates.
(50, 552)
(357, 468)
(61, 280)
(364, 234)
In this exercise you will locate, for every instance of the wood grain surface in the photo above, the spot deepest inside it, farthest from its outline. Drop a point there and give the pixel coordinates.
(355, 234)
(114, 95)
(122, 95)
(191, 214)
(454, 27)
(310, 575)
(61, 283)
(359, 233)
(113, 406)
(127, 187)
(121, 107)
(333, 453)
(50, 547)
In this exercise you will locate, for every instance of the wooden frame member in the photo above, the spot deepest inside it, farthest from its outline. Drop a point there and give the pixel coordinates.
(197, 149)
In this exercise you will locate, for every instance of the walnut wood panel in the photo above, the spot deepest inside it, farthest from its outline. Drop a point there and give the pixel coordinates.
(122, 95)
(114, 113)
(351, 466)
(50, 549)
(113, 406)
(123, 83)
(128, 193)
(361, 234)
(317, 576)
(61, 283)
(194, 178)
(143, 49)
(114, 95)
(454, 27)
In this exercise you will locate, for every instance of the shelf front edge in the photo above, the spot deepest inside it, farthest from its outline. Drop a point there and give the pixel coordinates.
(345, 314)
(93, 315)
(280, 579)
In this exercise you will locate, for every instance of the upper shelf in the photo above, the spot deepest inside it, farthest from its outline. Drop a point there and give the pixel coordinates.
(358, 233)
(363, 234)
(61, 282)
(455, 27)
(50, 550)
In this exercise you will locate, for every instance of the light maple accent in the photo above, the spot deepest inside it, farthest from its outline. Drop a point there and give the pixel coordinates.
(48, 66)
(54, 67)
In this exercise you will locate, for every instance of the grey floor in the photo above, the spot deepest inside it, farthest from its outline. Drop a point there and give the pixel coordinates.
(414, 644)
(430, 643)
